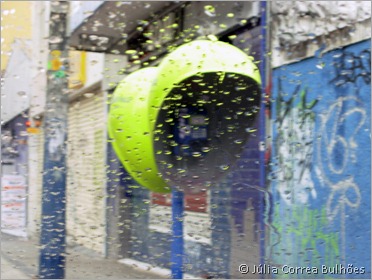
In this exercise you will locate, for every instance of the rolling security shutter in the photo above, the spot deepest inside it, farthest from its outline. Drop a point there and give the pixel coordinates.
(35, 181)
(86, 172)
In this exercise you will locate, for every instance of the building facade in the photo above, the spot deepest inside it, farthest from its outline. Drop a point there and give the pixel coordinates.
(321, 127)
(299, 32)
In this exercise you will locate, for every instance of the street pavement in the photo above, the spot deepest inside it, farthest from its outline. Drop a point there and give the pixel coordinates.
(19, 260)
(10, 271)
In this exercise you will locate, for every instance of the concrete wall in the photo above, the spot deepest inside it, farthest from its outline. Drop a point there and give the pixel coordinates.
(40, 33)
(301, 28)
(300, 21)
(320, 173)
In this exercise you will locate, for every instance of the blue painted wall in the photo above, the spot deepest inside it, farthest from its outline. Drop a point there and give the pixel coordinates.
(320, 172)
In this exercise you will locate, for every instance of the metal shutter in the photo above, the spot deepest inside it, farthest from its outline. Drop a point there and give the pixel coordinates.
(35, 182)
(86, 172)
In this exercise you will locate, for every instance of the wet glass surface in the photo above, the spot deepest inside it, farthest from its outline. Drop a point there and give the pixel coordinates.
(202, 139)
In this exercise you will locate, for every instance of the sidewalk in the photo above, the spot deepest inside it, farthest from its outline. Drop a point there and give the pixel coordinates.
(19, 260)
(10, 271)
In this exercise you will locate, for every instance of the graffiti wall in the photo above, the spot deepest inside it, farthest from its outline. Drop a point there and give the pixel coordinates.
(320, 175)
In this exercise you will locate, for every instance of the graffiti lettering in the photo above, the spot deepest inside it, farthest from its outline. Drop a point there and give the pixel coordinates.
(307, 227)
(337, 150)
(323, 225)
(349, 67)
(294, 143)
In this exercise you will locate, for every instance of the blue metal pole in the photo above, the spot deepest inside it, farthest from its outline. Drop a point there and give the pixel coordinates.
(53, 228)
(177, 234)
(262, 125)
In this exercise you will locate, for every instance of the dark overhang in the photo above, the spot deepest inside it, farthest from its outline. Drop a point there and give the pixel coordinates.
(112, 24)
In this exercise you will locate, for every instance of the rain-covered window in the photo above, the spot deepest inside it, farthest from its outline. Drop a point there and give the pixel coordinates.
(185, 139)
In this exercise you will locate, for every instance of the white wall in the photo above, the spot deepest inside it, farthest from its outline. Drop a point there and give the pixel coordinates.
(300, 20)
(80, 10)
(94, 68)
(15, 90)
(37, 88)
(40, 32)
(112, 66)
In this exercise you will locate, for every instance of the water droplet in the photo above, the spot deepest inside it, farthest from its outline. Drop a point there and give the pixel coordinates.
(209, 10)
(320, 65)
(130, 52)
(224, 167)
(206, 149)
(23, 133)
(250, 130)
(212, 38)
(55, 40)
(196, 154)
(22, 93)
(88, 94)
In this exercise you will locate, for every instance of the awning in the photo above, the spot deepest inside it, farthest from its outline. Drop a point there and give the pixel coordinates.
(112, 23)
